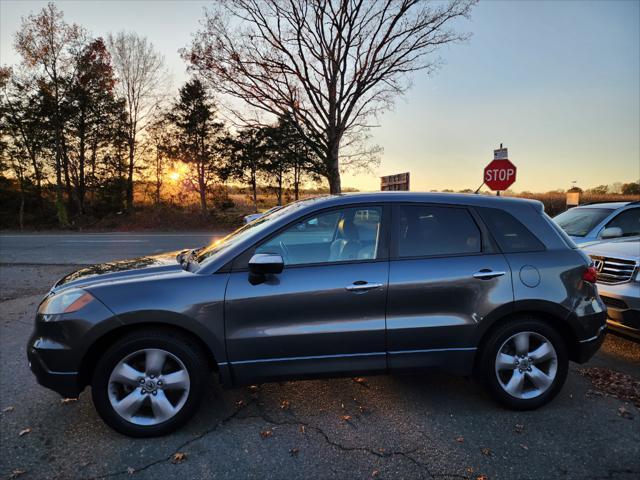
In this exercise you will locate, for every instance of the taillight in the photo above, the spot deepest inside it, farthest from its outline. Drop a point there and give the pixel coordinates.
(590, 274)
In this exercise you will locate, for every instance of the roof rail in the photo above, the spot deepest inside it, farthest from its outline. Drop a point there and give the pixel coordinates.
(608, 201)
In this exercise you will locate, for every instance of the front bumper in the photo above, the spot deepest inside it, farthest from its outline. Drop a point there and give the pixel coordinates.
(623, 307)
(66, 384)
(59, 343)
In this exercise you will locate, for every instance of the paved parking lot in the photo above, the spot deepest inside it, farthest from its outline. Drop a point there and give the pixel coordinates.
(418, 426)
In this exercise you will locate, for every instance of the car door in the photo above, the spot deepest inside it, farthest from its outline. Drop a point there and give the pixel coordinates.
(325, 313)
(445, 276)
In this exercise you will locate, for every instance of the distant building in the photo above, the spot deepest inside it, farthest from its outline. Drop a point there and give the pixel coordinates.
(397, 182)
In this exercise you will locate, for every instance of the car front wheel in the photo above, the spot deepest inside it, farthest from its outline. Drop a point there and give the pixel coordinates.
(150, 382)
(524, 364)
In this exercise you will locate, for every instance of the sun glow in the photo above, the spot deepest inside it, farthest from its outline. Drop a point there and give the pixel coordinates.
(177, 172)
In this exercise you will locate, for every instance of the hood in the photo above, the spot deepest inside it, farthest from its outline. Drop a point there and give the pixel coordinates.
(626, 248)
(120, 270)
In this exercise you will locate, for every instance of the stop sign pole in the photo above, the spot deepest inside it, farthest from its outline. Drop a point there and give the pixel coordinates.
(500, 174)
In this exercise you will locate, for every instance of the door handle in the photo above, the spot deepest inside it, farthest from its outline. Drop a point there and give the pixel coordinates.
(361, 286)
(486, 274)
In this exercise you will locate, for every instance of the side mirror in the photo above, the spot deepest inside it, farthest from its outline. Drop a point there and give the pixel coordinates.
(611, 232)
(262, 264)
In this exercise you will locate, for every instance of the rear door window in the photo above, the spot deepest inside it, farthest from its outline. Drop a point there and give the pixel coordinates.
(428, 230)
(512, 236)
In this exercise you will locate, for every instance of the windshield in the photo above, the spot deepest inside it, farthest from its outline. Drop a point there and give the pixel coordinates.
(578, 222)
(241, 233)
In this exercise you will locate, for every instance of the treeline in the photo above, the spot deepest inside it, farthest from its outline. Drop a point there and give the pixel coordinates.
(84, 119)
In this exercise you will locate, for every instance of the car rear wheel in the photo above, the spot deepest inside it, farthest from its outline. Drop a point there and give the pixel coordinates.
(150, 382)
(524, 363)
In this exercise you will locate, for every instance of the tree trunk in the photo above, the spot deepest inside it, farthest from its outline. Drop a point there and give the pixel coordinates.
(333, 163)
(158, 175)
(61, 210)
(81, 166)
(279, 194)
(132, 151)
(21, 212)
(65, 171)
(296, 180)
(254, 189)
(202, 187)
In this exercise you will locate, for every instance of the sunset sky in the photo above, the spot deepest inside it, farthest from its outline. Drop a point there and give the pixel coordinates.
(557, 82)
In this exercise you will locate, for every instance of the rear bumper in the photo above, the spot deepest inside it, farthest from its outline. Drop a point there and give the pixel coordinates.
(587, 348)
(66, 384)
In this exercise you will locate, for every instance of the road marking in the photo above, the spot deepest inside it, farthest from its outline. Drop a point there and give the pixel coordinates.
(182, 235)
(105, 241)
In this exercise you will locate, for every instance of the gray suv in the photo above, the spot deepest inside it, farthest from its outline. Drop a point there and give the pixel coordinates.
(618, 265)
(340, 285)
(593, 222)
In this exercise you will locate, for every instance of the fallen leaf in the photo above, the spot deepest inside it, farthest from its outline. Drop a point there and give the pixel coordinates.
(625, 413)
(469, 469)
(486, 451)
(8, 409)
(375, 473)
(16, 473)
(361, 380)
(266, 433)
(460, 439)
(482, 477)
(131, 470)
(178, 457)
(518, 428)
(303, 429)
(68, 400)
(24, 432)
(613, 384)
(523, 446)
(294, 451)
(285, 405)
(346, 418)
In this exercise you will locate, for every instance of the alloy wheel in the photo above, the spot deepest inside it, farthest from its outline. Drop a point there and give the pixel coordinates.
(148, 386)
(526, 365)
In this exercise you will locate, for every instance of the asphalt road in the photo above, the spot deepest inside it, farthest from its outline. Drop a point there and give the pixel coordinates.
(83, 248)
(390, 427)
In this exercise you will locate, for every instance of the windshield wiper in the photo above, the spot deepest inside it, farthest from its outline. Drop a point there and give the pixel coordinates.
(185, 257)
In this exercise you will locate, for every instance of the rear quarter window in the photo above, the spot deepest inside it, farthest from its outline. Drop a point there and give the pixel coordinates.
(512, 236)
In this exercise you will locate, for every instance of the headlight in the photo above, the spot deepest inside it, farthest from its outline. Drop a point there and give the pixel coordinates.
(65, 302)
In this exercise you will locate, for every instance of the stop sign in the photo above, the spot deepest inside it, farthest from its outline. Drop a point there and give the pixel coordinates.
(499, 174)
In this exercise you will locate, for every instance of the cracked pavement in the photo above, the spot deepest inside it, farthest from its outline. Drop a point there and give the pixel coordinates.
(415, 426)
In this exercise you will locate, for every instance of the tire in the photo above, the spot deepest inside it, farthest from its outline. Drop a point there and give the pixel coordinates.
(182, 371)
(529, 382)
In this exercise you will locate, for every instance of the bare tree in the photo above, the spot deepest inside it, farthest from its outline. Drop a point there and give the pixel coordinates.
(331, 65)
(141, 73)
